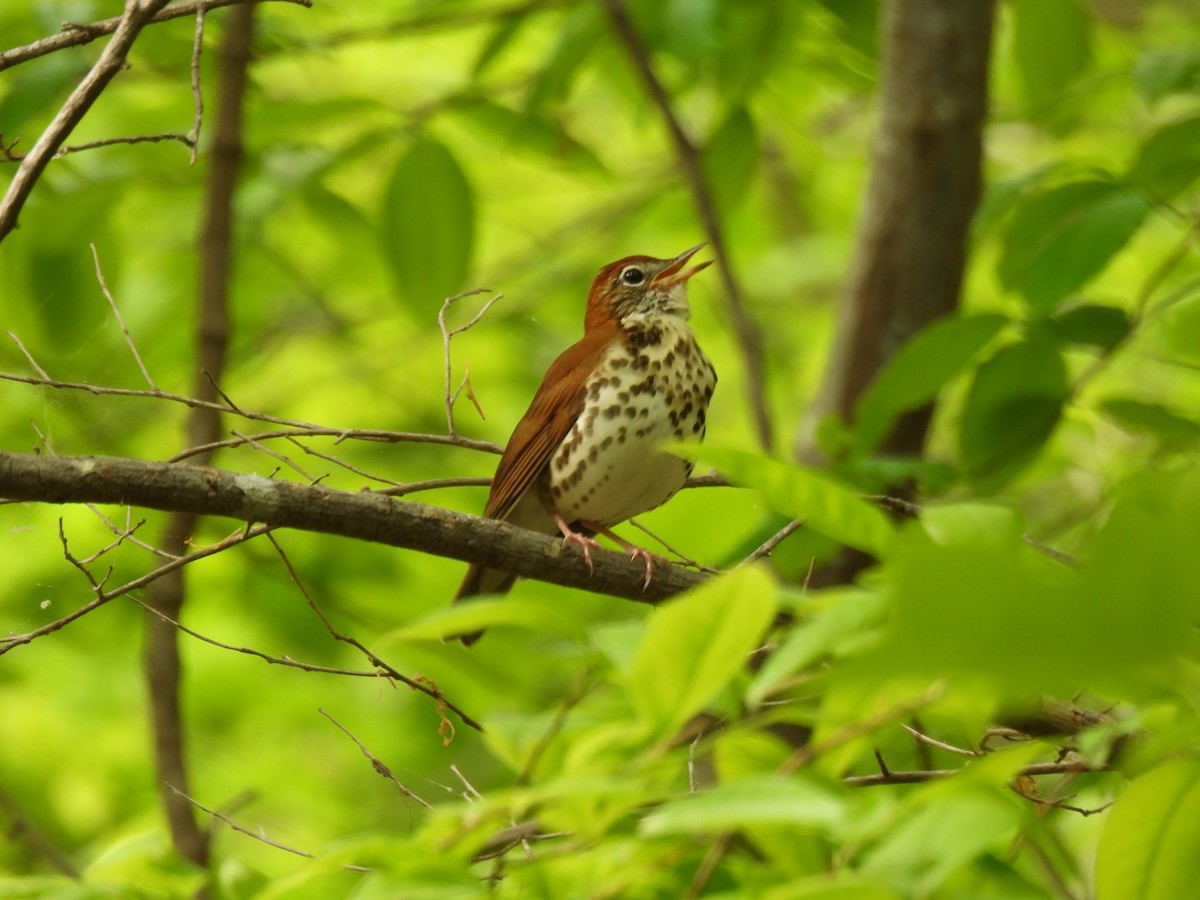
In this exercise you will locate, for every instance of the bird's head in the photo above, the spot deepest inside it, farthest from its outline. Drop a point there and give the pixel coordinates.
(641, 287)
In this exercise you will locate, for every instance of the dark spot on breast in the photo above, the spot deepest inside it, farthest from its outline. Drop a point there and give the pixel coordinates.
(611, 412)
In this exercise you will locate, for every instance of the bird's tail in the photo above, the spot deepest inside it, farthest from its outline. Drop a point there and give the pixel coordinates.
(480, 580)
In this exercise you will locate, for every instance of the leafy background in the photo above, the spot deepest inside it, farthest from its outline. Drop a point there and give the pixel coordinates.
(399, 152)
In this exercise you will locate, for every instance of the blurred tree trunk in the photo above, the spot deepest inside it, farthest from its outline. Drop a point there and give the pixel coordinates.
(924, 188)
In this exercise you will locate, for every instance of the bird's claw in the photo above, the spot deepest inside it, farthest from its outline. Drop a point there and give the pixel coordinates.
(585, 545)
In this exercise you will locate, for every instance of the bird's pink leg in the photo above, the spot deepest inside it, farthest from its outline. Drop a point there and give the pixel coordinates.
(574, 537)
(634, 551)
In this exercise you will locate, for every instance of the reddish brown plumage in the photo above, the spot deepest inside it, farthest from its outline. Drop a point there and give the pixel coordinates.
(587, 427)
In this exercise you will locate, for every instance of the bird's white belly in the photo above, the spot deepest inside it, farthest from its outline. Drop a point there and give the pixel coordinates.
(609, 468)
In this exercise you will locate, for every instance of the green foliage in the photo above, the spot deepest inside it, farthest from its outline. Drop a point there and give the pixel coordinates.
(406, 151)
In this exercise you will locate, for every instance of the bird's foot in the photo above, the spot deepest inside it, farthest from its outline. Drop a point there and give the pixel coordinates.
(571, 536)
(634, 551)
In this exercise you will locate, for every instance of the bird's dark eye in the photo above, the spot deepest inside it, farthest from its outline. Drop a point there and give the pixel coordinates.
(633, 275)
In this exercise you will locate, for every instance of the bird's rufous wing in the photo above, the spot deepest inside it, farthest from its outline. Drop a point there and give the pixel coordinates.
(555, 407)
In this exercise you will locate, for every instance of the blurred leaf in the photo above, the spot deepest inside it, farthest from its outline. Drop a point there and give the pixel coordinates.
(428, 226)
(971, 601)
(1012, 408)
(475, 615)
(918, 371)
(1060, 238)
(767, 800)
(1099, 326)
(822, 503)
(577, 38)
(1052, 48)
(691, 29)
(730, 160)
(841, 614)
(696, 643)
(753, 37)
(1169, 160)
(530, 132)
(506, 29)
(1150, 846)
(1160, 73)
(941, 835)
(1153, 419)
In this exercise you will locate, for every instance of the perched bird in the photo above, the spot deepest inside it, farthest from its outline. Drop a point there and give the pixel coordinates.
(585, 455)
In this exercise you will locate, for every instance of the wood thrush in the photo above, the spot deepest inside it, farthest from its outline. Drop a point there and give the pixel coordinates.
(585, 455)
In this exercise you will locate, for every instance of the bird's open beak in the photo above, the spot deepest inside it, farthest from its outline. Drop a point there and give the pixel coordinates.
(675, 273)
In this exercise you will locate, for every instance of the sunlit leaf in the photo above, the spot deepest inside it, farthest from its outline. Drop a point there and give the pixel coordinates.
(1150, 846)
(840, 614)
(730, 159)
(1162, 72)
(1058, 239)
(428, 225)
(1168, 161)
(1099, 326)
(822, 503)
(919, 369)
(1012, 408)
(1052, 47)
(695, 643)
(1153, 419)
(767, 800)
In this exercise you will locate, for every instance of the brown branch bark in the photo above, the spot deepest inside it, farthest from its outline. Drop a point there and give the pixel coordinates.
(78, 35)
(924, 188)
(137, 15)
(365, 516)
(912, 241)
(162, 663)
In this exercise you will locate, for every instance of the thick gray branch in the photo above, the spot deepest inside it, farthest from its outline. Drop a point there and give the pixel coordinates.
(365, 516)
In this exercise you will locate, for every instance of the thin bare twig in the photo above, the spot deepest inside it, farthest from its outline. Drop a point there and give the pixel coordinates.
(306, 427)
(250, 651)
(78, 35)
(749, 337)
(193, 136)
(447, 334)
(428, 689)
(9, 642)
(941, 745)
(933, 774)
(769, 545)
(257, 835)
(112, 303)
(136, 16)
(33, 363)
(376, 763)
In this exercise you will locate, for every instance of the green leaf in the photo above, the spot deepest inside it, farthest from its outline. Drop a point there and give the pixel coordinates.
(1052, 48)
(842, 614)
(577, 38)
(428, 226)
(1150, 846)
(1099, 326)
(1153, 419)
(767, 800)
(919, 369)
(1059, 238)
(463, 618)
(1012, 407)
(799, 493)
(1160, 73)
(730, 159)
(1168, 161)
(696, 643)
(528, 131)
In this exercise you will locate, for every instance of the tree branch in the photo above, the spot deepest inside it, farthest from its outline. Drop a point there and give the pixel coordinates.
(77, 35)
(747, 332)
(364, 516)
